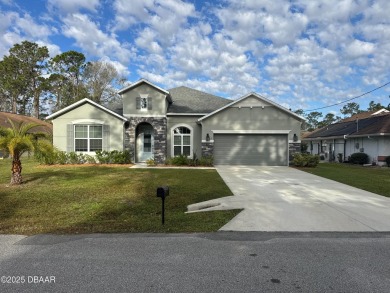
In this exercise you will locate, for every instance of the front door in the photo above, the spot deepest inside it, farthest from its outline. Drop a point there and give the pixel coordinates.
(145, 142)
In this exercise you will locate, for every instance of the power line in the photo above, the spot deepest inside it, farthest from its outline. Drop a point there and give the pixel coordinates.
(366, 93)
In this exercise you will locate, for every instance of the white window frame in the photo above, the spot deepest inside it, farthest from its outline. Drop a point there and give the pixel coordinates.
(88, 138)
(191, 134)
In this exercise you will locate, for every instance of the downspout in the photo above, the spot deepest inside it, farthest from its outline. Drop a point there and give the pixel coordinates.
(345, 147)
(333, 152)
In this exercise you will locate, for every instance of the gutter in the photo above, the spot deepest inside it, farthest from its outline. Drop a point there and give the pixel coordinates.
(374, 134)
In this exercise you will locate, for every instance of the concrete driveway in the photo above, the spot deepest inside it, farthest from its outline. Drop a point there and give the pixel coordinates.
(286, 199)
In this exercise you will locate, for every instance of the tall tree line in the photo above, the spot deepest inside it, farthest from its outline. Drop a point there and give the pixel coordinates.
(30, 80)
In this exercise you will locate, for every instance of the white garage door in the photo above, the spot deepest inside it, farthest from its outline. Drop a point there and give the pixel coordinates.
(251, 149)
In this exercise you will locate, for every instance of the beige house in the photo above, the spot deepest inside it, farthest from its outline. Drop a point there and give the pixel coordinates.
(158, 123)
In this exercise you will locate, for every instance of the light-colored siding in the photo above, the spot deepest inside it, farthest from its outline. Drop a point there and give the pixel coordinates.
(174, 121)
(256, 118)
(85, 112)
(159, 103)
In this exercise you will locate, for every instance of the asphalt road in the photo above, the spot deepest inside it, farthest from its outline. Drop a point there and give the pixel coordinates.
(215, 262)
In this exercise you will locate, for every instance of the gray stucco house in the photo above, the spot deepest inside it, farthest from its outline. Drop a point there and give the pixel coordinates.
(158, 123)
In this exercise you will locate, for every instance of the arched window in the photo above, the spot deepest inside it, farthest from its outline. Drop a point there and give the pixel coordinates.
(182, 141)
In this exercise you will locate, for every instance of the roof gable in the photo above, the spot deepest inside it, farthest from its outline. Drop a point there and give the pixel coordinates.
(80, 103)
(261, 100)
(139, 82)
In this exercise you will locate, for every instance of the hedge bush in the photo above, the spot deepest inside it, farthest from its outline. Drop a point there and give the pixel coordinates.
(306, 160)
(50, 156)
(206, 161)
(113, 157)
(359, 158)
(387, 160)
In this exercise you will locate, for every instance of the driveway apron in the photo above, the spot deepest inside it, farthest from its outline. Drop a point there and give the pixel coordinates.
(286, 199)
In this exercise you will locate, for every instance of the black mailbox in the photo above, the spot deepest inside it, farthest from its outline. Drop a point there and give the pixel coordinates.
(163, 191)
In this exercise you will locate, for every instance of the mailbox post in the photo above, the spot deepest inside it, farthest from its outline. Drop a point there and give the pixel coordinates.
(162, 192)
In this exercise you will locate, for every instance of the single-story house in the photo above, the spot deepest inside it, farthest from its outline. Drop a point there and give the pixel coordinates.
(157, 123)
(367, 132)
(43, 127)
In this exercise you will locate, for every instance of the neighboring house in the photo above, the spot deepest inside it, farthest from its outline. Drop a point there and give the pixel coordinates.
(16, 118)
(367, 132)
(158, 123)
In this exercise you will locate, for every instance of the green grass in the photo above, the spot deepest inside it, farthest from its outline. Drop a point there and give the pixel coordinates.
(373, 179)
(105, 199)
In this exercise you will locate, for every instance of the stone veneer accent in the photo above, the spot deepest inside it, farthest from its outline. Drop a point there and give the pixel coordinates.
(207, 149)
(159, 133)
(293, 148)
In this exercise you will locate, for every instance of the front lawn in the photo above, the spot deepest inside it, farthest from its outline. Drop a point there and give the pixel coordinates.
(91, 199)
(373, 179)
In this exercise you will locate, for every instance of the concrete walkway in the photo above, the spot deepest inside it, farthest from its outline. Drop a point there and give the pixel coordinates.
(286, 199)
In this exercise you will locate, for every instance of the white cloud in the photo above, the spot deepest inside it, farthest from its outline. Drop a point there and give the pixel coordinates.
(94, 41)
(248, 20)
(71, 6)
(16, 28)
(358, 48)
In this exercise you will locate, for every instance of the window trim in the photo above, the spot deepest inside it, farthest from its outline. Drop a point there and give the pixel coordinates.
(87, 138)
(191, 134)
(146, 103)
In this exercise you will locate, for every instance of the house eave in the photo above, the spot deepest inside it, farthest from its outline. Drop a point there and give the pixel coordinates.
(258, 97)
(325, 137)
(142, 80)
(373, 134)
(233, 131)
(186, 114)
(80, 103)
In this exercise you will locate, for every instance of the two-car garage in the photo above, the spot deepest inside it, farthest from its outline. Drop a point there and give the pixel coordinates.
(251, 131)
(251, 149)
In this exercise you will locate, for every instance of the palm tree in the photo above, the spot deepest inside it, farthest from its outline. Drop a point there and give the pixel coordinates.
(16, 141)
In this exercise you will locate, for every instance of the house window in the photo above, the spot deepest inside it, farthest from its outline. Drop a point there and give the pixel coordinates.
(144, 103)
(88, 138)
(182, 141)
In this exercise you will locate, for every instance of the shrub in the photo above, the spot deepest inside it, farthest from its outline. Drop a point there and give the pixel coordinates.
(387, 160)
(62, 158)
(180, 161)
(206, 161)
(74, 158)
(151, 162)
(306, 160)
(113, 157)
(89, 159)
(46, 153)
(359, 158)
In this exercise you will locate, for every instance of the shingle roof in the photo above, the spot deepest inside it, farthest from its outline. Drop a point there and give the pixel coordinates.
(380, 124)
(364, 115)
(187, 100)
(16, 118)
(369, 126)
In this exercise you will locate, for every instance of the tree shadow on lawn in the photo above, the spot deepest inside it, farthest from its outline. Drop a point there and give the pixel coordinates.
(124, 219)
(67, 201)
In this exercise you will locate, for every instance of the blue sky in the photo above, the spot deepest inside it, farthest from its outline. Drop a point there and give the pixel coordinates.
(301, 54)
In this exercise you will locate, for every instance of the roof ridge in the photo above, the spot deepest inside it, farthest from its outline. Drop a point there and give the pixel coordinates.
(203, 92)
